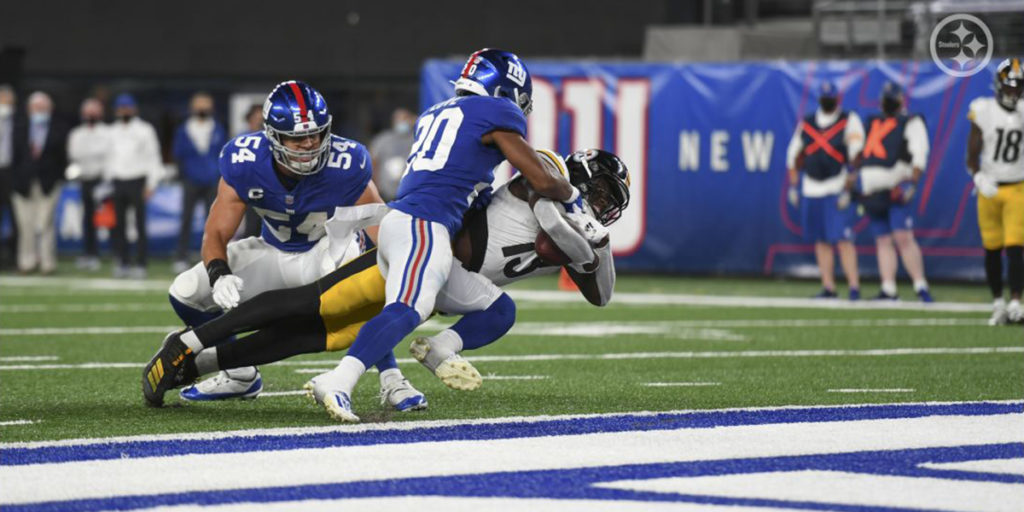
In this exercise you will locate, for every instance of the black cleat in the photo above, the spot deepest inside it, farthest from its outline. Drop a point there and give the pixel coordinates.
(173, 366)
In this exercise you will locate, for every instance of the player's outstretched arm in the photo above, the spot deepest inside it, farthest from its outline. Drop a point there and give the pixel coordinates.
(226, 214)
(597, 286)
(523, 157)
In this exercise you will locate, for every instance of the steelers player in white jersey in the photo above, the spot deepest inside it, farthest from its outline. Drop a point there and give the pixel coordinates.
(495, 247)
(995, 162)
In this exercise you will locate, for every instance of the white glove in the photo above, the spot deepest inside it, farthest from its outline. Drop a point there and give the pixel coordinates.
(986, 185)
(794, 196)
(588, 226)
(227, 291)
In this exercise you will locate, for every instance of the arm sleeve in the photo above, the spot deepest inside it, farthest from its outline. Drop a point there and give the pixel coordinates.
(598, 286)
(573, 244)
(796, 145)
(854, 136)
(917, 142)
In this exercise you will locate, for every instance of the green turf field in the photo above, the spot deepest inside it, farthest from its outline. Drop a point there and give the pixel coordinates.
(71, 382)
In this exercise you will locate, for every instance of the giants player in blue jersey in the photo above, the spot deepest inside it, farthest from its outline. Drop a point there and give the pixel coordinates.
(294, 174)
(458, 144)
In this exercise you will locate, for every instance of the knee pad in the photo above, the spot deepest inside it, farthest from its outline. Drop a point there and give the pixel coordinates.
(192, 288)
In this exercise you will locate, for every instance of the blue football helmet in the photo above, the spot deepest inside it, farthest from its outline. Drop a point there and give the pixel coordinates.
(497, 73)
(294, 109)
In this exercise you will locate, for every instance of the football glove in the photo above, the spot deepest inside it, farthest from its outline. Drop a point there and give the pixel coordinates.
(588, 226)
(902, 193)
(985, 185)
(575, 202)
(227, 291)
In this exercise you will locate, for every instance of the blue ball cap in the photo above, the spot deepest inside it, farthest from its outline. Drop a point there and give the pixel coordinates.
(124, 100)
(827, 89)
(892, 90)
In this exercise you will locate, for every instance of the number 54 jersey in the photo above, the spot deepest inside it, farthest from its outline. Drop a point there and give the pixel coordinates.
(449, 164)
(1001, 132)
(293, 220)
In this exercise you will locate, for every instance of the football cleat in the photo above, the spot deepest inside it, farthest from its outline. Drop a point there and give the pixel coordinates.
(453, 370)
(885, 296)
(337, 403)
(999, 315)
(224, 386)
(854, 294)
(825, 293)
(924, 295)
(1014, 312)
(172, 366)
(402, 396)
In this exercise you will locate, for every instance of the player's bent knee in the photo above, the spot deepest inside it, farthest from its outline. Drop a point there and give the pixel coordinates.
(188, 288)
(504, 311)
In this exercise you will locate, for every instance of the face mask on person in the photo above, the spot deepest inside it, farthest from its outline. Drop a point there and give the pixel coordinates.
(91, 121)
(6, 110)
(201, 115)
(39, 117)
(828, 105)
(125, 118)
(891, 106)
(403, 127)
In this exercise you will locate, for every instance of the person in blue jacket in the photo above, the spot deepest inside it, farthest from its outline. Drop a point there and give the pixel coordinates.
(197, 144)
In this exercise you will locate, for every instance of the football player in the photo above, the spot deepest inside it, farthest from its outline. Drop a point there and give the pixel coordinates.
(496, 245)
(458, 144)
(894, 157)
(994, 161)
(293, 174)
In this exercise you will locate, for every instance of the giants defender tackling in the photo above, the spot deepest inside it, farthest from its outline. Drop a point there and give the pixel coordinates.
(496, 244)
(458, 144)
(994, 162)
(294, 174)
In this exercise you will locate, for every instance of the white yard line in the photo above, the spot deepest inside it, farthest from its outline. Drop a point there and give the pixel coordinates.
(107, 307)
(681, 384)
(282, 393)
(673, 299)
(17, 422)
(869, 390)
(20, 359)
(703, 329)
(721, 354)
(85, 283)
(492, 376)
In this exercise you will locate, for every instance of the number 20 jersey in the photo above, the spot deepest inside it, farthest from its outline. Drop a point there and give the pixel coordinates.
(448, 163)
(293, 220)
(1001, 132)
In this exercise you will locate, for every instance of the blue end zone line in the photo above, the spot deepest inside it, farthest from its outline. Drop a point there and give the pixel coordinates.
(561, 427)
(581, 483)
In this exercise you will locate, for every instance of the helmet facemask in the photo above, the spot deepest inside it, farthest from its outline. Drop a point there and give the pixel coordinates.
(607, 197)
(1009, 83)
(299, 161)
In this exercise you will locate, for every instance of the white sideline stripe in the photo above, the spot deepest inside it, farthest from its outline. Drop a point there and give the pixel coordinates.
(313, 370)
(673, 299)
(576, 328)
(13, 359)
(609, 357)
(870, 390)
(107, 307)
(17, 422)
(410, 425)
(84, 283)
(683, 384)
(283, 393)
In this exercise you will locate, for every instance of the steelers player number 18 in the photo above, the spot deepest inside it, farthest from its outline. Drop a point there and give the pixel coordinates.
(1007, 145)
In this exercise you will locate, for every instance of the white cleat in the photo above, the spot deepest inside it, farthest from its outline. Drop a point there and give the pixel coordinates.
(999, 314)
(1014, 312)
(226, 385)
(453, 370)
(400, 394)
(337, 403)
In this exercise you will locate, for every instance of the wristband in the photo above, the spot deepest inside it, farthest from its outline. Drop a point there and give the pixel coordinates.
(573, 197)
(217, 268)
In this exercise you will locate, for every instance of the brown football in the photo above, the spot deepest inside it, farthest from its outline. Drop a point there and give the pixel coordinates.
(548, 251)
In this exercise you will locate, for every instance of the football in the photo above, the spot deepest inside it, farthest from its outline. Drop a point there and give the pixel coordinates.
(548, 251)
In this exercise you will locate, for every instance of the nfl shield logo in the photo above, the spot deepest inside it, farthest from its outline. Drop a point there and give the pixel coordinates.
(289, 199)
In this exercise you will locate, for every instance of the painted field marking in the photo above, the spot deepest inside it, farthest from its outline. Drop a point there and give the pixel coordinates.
(871, 390)
(588, 329)
(681, 384)
(17, 422)
(673, 299)
(611, 357)
(283, 393)
(85, 283)
(106, 307)
(312, 370)
(16, 359)
(491, 376)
